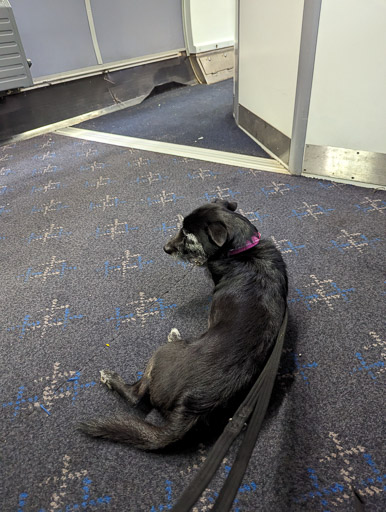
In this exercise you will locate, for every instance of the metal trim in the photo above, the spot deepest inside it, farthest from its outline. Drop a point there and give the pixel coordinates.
(345, 164)
(94, 38)
(220, 45)
(208, 155)
(265, 134)
(236, 93)
(187, 27)
(345, 182)
(43, 81)
(308, 42)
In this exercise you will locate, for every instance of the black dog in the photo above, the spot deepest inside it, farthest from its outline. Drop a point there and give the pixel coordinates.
(191, 383)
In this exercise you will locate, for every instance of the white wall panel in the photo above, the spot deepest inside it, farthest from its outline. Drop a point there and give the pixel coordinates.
(348, 99)
(269, 43)
(56, 33)
(210, 24)
(131, 28)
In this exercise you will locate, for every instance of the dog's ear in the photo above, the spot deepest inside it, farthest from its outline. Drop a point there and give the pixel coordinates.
(218, 233)
(230, 205)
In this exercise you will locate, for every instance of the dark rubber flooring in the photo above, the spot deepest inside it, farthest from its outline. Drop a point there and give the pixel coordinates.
(199, 115)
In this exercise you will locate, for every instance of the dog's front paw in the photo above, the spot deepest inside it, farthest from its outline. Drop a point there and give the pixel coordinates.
(174, 335)
(107, 377)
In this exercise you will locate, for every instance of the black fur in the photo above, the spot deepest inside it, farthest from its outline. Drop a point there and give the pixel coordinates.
(192, 383)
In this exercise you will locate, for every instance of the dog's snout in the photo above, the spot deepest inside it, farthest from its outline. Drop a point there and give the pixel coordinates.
(168, 248)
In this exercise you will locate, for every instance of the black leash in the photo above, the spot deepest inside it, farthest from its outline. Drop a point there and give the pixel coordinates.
(254, 406)
(358, 501)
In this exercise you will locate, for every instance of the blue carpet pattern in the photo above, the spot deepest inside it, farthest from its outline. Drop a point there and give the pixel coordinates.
(85, 286)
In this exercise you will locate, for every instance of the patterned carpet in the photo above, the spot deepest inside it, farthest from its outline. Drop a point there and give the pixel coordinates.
(86, 286)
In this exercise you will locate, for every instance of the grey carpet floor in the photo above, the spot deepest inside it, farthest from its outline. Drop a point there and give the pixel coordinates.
(85, 286)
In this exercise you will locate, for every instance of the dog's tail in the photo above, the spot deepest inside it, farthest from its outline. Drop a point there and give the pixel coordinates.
(138, 432)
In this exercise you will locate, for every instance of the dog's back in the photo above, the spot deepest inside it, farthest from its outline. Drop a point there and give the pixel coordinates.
(247, 310)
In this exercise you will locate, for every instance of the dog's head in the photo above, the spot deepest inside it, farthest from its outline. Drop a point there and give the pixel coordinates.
(209, 230)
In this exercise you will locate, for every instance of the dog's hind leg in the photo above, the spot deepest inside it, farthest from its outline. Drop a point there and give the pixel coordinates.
(133, 393)
(174, 335)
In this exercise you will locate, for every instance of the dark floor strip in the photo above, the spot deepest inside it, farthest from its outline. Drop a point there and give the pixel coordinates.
(199, 116)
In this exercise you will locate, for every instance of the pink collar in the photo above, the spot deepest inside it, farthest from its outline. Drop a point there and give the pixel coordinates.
(255, 239)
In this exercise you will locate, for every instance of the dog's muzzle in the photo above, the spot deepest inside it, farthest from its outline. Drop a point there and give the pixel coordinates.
(169, 248)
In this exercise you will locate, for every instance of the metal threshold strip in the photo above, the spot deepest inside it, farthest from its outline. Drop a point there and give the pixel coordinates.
(208, 155)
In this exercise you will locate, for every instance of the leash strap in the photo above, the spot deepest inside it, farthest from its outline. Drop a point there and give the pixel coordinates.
(359, 504)
(255, 404)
